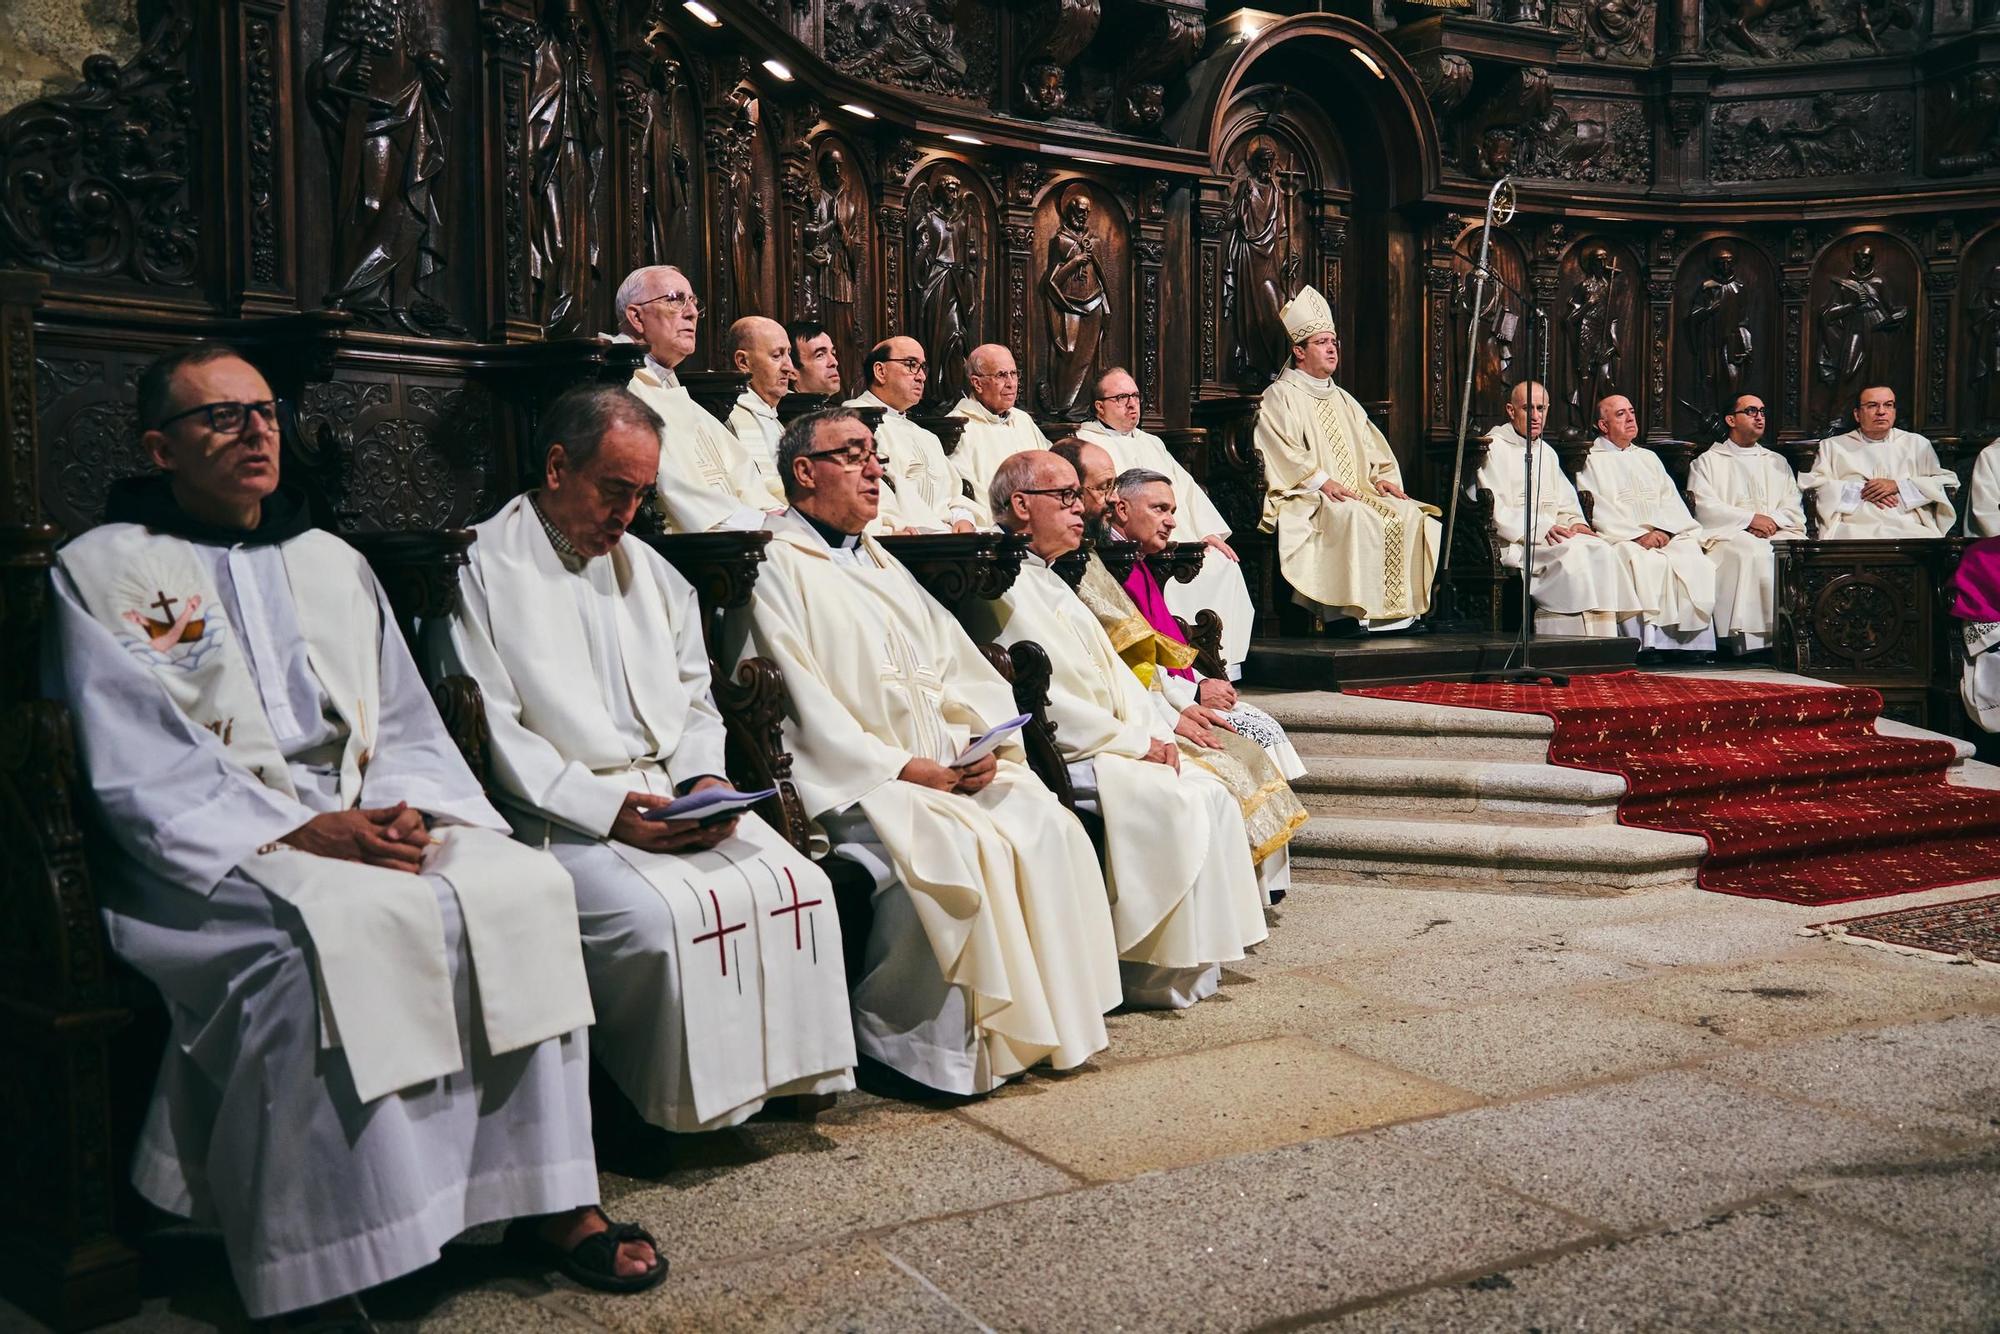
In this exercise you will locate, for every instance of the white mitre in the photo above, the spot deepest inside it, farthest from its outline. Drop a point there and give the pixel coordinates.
(1306, 314)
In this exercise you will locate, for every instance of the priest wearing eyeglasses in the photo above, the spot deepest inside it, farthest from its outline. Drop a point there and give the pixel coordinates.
(995, 429)
(925, 494)
(1746, 498)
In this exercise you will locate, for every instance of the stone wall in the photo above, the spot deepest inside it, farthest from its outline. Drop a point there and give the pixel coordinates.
(43, 43)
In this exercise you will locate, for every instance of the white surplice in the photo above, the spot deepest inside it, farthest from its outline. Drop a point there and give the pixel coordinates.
(1578, 577)
(1984, 500)
(928, 495)
(1220, 586)
(1729, 485)
(1631, 497)
(596, 685)
(318, 1192)
(989, 440)
(1845, 463)
(1370, 557)
(1184, 895)
(757, 428)
(992, 948)
(708, 480)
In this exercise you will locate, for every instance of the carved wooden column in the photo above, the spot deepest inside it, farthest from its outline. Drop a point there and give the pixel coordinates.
(1211, 213)
(795, 183)
(1796, 279)
(1017, 228)
(899, 159)
(20, 290)
(629, 78)
(1149, 254)
(510, 34)
(1659, 332)
(1934, 352)
(260, 265)
(1330, 230)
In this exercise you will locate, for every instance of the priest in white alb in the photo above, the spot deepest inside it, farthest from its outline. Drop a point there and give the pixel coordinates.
(1746, 498)
(1983, 496)
(1580, 585)
(925, 495)
(1220, 586)
(1351, 541)
(991, 948)
(994, 428)
(1878, 481)
(713, 949)
(1639, 511)
(295, 854)
(708, 480)
(759, 348)
(1184, 894)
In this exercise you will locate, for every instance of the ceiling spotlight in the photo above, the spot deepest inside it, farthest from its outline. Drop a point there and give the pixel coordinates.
(778, 70)
(1368, 61)
(702, 12)
(964, 139)
(860, 111)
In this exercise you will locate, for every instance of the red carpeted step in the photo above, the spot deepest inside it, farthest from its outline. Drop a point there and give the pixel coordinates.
(1798, 796)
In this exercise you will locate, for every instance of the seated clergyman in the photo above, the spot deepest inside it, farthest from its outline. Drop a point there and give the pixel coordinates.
(1580, 585)
(1220, 586)
(298, 858)
(759, 348)
(707, 479)
(1640, 513)
(924, 494)
(991, 948)
(1351, 541)
(815, 357)
(1182, 905)
(1878, 480)
(1746, 498)
(994, 428)
(713, 950)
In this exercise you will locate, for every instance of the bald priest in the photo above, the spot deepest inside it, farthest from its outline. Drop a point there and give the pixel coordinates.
(713, 950)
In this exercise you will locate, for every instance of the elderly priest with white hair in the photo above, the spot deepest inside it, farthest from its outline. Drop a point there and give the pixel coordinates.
(708, 479)
(295, 854)
(1219, 586)
(995, 429)
(1351, 541)
(991, 948)
(1184, 895)
(713, 949)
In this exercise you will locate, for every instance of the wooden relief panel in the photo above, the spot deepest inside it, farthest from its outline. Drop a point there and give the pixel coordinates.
(745, 239)
(1082, 295)
(566, 157)
(665, 188)
(1267, 245)
(89, 429)
(1979, 325)
(399, 451)
(1596, 349)
(1501, 356)
(952, 244)
(838, 250)
(1861, 328)
(1725, 335)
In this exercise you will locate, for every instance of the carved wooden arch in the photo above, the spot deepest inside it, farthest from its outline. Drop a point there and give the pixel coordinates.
(1757, 269)
(994, 306)
(1900, 358)
(1626, 275)
(1111, 227)
(1393, 106)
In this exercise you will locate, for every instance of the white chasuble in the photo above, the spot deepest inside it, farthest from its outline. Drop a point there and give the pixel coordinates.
(1633, 496)
(757, 428)
(1220, 586)
(1371, 557)
(1575, 576)
(708, 480)
(1921, 506)
(1003, 884)
(929, 495)
(1177, 860)
(378, 938)
(989, 440)
(1729, 485)
(1985, 494)
(595, 680)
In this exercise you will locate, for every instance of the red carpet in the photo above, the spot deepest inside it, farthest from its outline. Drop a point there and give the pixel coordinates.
(1799, 797)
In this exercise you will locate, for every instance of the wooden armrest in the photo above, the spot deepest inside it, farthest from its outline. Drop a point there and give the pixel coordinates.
(1205, 637)
(419, 571)
(1026, 666)
(959, 568)
(752, 704)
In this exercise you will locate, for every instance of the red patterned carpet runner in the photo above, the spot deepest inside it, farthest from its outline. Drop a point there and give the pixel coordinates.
(1968, 929)
(1799, 797)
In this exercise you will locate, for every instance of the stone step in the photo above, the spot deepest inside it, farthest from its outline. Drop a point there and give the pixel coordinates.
(1593, 860)
(1413, 788)
(1323, 722)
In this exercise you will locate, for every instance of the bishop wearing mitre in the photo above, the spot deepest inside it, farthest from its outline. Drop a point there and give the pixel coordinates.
(708, 478)
(1580, 584)
(1878, 480)
(1746, 498)
(1639, 511)
(925, 494)
(991, 948)
(1351, 542)
(1219, 586)
(1182, 905)
(995, 429)
(713, 950)
(296, 856)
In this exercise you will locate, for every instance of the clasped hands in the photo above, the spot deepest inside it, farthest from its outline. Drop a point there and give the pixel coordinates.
(1333, 490)
(1882, 491)
(1762, 525)
(391, 837)
(1562, 531)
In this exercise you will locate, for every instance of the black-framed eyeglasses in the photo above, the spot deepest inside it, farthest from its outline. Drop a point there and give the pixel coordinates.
(914, 365)
(1746, 412)
(227, 418)
(1132, 397)
(1068, 497)
(851, 456)
(996, 375)
(685, 300)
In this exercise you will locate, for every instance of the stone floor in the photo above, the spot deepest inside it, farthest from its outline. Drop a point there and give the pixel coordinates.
(1413, 1109)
